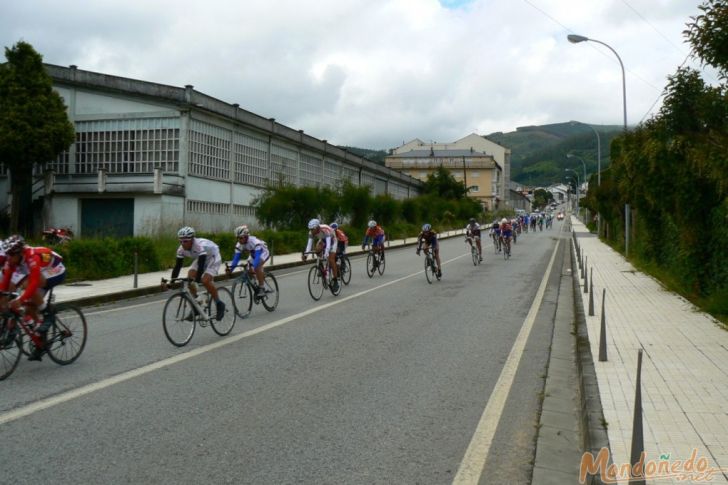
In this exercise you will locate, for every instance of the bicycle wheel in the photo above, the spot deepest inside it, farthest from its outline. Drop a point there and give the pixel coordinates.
(495, 245)
(345, 269)
(67, 335)
(474, 254)
(270, 300)
(382, 264)
(10, 352)
(178, 319)
(225, 325)
(429, 269)
(243, 297)
(371, 264)
(315, 283)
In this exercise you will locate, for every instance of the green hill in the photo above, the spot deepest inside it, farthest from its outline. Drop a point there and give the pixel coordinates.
(538, 153)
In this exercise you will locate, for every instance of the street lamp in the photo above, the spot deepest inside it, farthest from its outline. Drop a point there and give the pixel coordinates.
(578, 183)
(575, 39)
(571, 155)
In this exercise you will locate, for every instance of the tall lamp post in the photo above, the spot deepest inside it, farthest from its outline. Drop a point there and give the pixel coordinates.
(575, 39)
(578, 183)
(583, 164)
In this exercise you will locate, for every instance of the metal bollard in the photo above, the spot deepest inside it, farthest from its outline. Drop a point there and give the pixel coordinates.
(603, 331)
(637, 458)
(271, 253)
(586, 286)
(591, 294)
(136, 269)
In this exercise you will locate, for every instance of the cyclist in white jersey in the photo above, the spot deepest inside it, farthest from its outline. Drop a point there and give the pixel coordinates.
(326, 242)
(205, 266)
(258, 254)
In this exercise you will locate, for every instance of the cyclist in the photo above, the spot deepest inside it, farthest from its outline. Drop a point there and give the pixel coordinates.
(341, 239)
(506, 230)
(325, 238)
(258, 251)
(44, 269)
(204, 268)
(495, 233)
(375, 233)
(428, 237)
(472, 231)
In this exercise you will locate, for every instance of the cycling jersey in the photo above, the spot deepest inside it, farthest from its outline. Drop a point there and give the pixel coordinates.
(473, 229)
(429, 238)
(495, 228)
(206, 254)
(35, 262)
(258, 252)
(341, 241)
(325, 235)
(506, 230)
(375, 234)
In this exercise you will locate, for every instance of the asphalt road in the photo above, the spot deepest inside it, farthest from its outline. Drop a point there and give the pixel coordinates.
(384, 384)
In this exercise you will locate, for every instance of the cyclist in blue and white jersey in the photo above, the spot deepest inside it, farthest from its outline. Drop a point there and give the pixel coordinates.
(258, 251)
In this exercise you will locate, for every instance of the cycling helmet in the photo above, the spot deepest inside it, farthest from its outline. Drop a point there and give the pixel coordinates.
(372, 223)
(314, 223)
(472, 220)
(504, 221)
(426, 227)
(241, 231)
(185, 233)
(334, 225)
(14, 244)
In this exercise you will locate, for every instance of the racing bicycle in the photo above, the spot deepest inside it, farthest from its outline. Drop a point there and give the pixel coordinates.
(245, 291)
(320, 278)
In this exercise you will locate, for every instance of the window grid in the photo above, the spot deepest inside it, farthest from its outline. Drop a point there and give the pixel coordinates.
(243, 210)
(350, 173)
(210, 208)
(310, 170)
(124, 146)
(283, 164)
(367, 179)
(209, 151)
(332, 170)
(251, 160)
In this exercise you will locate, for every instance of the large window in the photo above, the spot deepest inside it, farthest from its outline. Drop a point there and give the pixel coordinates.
(124, 146)
(310, 170)
(251, 159)
(284, 162)
(209, 151)
(332, 170)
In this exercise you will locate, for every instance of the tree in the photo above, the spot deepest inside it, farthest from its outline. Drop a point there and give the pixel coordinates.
(34, 126)
(442, 183)
(541, 198)
(708, 35)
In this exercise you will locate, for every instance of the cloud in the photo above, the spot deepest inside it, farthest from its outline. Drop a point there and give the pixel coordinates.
(372, 73)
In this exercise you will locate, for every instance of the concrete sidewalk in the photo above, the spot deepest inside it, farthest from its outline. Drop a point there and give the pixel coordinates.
(114, 289)
(684, 365)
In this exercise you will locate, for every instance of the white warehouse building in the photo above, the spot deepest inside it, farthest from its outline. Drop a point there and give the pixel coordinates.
(149, 157)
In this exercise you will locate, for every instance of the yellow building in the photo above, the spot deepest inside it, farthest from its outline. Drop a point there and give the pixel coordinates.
(480, 172)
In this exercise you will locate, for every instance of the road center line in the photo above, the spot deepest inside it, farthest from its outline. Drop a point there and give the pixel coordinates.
(473, 462)
(131, 374)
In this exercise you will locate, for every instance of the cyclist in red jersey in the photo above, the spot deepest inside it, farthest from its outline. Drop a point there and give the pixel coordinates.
(45, 270)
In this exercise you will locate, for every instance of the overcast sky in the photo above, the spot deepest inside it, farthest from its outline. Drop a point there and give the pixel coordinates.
(375, 73)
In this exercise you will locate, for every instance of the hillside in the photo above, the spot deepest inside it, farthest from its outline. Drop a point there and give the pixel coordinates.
(538, 153)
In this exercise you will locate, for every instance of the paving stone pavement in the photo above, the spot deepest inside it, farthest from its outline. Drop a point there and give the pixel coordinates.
(684, 364)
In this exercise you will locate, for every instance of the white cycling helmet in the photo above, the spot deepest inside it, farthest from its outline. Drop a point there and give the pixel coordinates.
(241, 231)
(186, 233)
(314, 223)
(426, 227)
(372, 224)
(504, 221)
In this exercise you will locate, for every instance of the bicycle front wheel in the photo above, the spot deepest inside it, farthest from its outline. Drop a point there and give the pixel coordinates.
(315, 283)
(178, 319)
(270, 300)
(370, 264)
(345, 270)
(10, 352)
(243, 297)
(66, 338)
(474, 254)
(225, 325)
(429, 269)
(382, 263)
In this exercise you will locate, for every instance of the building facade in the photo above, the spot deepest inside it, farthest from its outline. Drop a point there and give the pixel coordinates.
(479, 172)
(149, 157)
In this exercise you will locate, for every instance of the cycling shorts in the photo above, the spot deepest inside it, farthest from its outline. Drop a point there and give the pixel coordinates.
(378, 240)
(212, 266)
(507, 234)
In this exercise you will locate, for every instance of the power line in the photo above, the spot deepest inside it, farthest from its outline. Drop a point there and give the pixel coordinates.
(679, 49)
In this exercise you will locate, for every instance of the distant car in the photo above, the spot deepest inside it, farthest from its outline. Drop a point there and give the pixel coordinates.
(560, 216)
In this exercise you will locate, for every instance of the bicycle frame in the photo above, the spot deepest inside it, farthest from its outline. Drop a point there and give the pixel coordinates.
(16, 317)
(201, 312)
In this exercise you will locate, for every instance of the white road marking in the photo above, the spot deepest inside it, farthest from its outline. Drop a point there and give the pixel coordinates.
(473, 462)
(131, 374)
